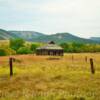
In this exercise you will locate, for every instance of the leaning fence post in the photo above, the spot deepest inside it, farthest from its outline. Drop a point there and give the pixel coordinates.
(11, 66)
(92, 66)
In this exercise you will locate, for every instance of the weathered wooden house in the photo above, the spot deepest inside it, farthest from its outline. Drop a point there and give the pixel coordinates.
(51, 49)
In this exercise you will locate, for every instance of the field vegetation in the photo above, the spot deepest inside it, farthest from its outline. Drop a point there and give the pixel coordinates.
(50, 78)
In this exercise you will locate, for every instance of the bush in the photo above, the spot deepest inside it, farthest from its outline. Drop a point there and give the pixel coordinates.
(10, 51)
(33, 47)
(3, 52)
(24, 50)
(6, 51)
(80, 47)
(15, 44)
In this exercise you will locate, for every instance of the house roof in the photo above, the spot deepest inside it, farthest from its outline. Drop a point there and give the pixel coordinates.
(51, 46)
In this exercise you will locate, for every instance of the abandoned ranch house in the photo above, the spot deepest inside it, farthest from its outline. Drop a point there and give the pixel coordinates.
(50, 49)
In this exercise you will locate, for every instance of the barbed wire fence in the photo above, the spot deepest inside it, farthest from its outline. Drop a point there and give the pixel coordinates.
(73, 62)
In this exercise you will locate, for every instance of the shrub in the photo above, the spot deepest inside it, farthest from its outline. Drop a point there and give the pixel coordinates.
(33, 47)
(16, 43)
(2, 52)
(6, 51)
(24, 50)
(10, 51)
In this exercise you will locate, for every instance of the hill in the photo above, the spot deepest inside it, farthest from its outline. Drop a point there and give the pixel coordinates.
(95, 38)
(40, 37)
(64, 37)
(26, 35)
(4, 35)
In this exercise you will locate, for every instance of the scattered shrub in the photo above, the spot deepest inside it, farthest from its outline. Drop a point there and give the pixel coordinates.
(24, 50)
(16, 43)
(3, 52)
(33, 47)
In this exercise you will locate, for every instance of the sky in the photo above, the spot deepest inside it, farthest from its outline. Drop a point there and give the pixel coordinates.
(79, 17)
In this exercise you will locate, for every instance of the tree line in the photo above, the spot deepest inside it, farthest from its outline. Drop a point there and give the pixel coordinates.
(75, 47)
(19, 46)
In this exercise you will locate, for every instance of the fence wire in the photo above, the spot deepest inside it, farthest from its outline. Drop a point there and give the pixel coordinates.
(71, 63)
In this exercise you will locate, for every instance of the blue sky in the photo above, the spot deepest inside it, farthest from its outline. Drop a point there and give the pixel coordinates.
(79, 17)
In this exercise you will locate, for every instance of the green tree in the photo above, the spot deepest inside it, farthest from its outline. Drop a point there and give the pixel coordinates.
(24, 50)
(78, 47)
(33, 47)
(2, 52)
(16, 43)
(65, 46)
(74, 47)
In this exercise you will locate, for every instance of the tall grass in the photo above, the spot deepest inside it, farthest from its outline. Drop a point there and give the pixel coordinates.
(40, 78)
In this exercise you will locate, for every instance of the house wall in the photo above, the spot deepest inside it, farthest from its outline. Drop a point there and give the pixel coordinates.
(49, 52)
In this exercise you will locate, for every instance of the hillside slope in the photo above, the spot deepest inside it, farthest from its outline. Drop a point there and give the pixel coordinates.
(26, 35)
(40, 37)
(95, 38)
(63, 37)
(5, 35)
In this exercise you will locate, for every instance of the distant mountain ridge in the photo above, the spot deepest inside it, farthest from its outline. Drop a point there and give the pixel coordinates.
(95, 38)
(26, 35)
(40, 37)
(63, 37)
(4, 35)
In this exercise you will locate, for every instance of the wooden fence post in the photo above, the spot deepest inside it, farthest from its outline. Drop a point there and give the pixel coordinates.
(72, 58)
(92, 66)
(11, 66)
(86, 59)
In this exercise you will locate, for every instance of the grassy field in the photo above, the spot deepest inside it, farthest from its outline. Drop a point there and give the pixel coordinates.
(48, 78)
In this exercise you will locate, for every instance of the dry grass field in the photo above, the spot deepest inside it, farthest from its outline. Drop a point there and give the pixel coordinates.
(50, 78)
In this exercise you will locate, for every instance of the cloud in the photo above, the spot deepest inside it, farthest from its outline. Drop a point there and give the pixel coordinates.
(77, 16)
